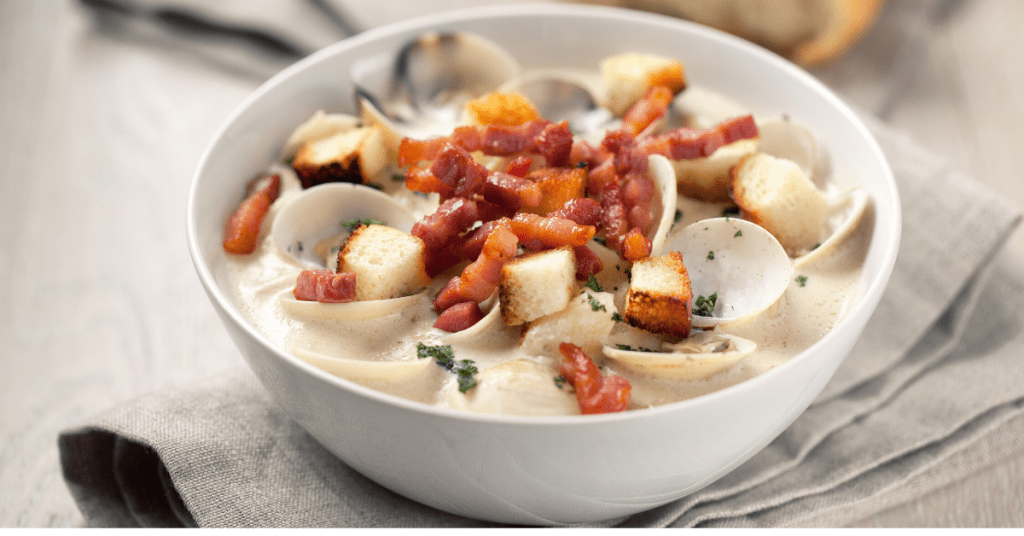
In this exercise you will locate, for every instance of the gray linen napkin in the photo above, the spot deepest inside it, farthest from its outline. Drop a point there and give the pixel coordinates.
(936, 371)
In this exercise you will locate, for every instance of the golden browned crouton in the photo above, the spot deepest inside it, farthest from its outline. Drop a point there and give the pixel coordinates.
(776, 194)
(537, 284)
(627, 78)
(388, 263)
(355, 155)
(659, 298)
(508, 109)
(557, 185)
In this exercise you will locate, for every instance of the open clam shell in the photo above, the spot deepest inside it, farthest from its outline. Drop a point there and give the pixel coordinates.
(359, 370)
(664, 177)
(844, 215)
(349, 311)
(739, 263)
(701, 355)
(476, 332)
(783, 137)
(422, 92)
(328, 210)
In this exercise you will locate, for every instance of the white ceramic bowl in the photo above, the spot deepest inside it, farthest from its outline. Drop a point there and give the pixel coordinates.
(541, 470)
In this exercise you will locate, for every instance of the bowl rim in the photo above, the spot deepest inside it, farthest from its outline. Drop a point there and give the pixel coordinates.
(870, 296)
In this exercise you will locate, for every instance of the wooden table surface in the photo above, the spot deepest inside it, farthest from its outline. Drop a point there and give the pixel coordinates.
(100, 303)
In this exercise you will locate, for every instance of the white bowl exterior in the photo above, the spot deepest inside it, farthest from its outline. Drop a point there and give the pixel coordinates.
(542, 470)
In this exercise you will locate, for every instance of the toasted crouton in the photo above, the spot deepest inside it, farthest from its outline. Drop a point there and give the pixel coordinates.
(659, 298)
(627, 78)
(557, 185)
(776, 194)
(388, 263)
(508, 109)
(586, 322)
(355, 155)
(537, 284)
(707, 179)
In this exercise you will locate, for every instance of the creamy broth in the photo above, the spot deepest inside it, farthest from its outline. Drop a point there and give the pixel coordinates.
(510, 379)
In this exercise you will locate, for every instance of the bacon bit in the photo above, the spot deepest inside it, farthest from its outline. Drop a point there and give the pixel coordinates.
(549, 231)
(688, 143)
(587, 263)
(325, 286)
(635, 246)
(651, 107)
(511, 191)
(637, 195)
(582, 210)
(583, 153)
(440, 229)
(243, 227)
(455, 167)
(519, 166)
(420, 179)
(480, 279)
(555, 144)
(601, 175)
(459, 317)
(614, 216)
(412, 151)
(595, 393)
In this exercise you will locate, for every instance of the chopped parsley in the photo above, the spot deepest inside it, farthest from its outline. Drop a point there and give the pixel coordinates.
(629, 348)
(801, 280)
(602, 241)
(299, 245)
(464, 369)
(617, 317)
(351, 225)
(398, 177)
(592, 284)
(738, 233)
(704, 306)
(678, 217)
(711, 255)
(375, 186)
(594, 304)
(560, 381)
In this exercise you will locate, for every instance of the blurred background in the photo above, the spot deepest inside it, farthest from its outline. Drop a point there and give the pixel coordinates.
(106, 107)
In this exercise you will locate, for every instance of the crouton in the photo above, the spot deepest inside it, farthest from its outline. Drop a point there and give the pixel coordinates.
(536, 284)
(388, 263)
(586, 322)
(659, 298)
(627, 78)
(707, 179)
(557, 185)
(355, 155)
(776, 194)
(508, 109)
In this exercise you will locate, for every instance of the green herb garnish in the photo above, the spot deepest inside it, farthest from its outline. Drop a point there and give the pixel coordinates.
(738, 233)
(592, 284)
(464, 369)
(594, 304)
(704, 306)
(398, 177)
(801, 280)
(711, 255)
(678, 217)
(352, 225)
(617, 317)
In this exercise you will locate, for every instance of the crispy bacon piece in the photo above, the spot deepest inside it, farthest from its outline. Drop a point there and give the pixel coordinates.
(519, 166)
(587, 263)
(614, 215)
(540, 232)
(582, 210)
(540, 136)
(455, 167)
(595, 393)
(637, 194)
(325, 286)
(687, 143)
(651, 107)
(511, 191)
(420, 179)
(441, 229)
(459, 317)
(243, 227)
(480, 279)
(555, 144)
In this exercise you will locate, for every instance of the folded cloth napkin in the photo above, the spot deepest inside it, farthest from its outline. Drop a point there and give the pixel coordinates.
(937, 370)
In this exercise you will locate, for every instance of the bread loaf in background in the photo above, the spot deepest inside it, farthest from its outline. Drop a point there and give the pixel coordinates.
(809, 32)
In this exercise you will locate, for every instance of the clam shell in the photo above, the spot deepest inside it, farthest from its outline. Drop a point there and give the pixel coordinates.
(320, 125)
(844, 215)
(319, 213)
(476, 332)
(738, 261)
(701, 355)
(783, 137)
(565, 94)
(354, 310)
(358, 370)
(664, 177)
